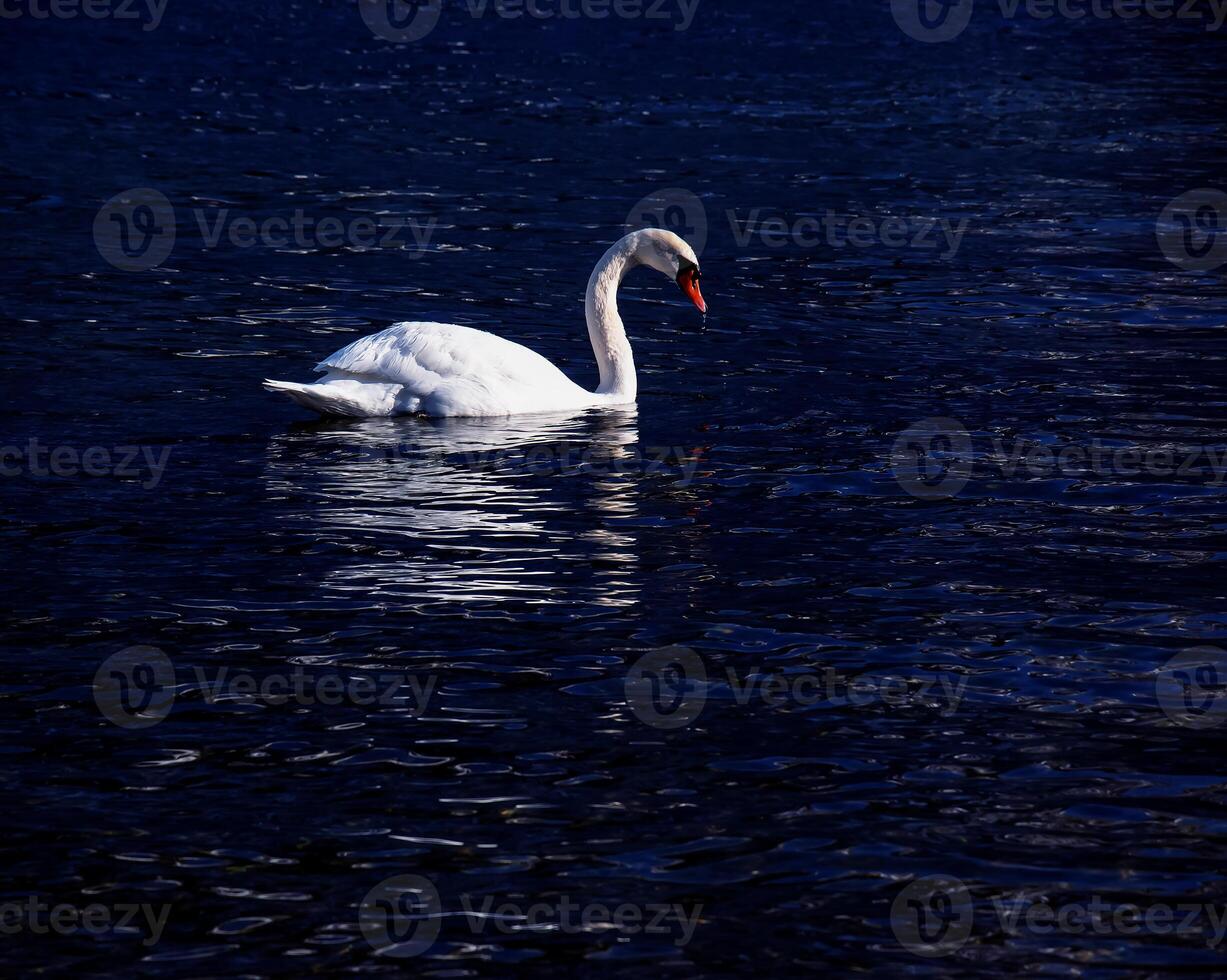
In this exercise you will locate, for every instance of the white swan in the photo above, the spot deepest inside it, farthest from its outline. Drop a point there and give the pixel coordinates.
(445, 370)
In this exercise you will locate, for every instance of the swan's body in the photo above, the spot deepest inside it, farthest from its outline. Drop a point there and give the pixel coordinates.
(448, 371)
(442, 370)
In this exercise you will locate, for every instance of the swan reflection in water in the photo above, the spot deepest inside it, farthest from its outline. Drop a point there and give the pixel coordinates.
(420, 511)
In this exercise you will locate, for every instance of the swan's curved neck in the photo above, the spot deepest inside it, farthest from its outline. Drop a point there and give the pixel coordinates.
(605, 329)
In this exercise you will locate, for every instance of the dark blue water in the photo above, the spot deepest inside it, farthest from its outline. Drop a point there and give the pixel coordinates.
(1012, 634)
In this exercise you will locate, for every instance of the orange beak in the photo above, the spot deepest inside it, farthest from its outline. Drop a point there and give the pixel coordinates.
(688, 279)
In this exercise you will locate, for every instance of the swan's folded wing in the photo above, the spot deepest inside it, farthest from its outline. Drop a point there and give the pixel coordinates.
(421, 356)
(449, 370)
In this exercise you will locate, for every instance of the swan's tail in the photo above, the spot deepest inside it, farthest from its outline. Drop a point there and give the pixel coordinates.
(349, 399)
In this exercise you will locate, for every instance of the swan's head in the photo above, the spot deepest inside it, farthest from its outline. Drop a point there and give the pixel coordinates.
(667, 253)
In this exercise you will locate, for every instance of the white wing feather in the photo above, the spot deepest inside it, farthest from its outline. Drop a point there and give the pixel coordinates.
(449, 370)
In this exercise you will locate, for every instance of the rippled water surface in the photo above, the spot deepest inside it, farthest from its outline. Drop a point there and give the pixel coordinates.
(749, 510)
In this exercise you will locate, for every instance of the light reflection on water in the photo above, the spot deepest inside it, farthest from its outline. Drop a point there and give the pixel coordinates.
(477, 503)
(529, 579)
